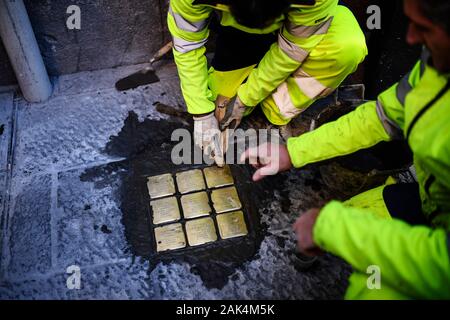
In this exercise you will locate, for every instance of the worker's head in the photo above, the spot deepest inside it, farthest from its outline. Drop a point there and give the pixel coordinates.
(429, 24)
(257, 14)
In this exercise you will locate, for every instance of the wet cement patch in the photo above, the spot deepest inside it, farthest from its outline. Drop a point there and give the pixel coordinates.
(147, 148)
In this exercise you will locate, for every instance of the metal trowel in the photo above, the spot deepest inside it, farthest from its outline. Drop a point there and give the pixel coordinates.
(144, 76)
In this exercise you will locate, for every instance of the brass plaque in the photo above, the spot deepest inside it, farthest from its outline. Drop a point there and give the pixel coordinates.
(218, 177)
(195, 205)
(165, 210)
(170, 237)
(225, 199)
(200, 231)
(160, 186)
(231, 225)
(191, 180)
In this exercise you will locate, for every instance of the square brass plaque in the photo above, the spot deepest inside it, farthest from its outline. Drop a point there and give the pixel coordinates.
(165, 210)
(218, 177)
(195, 205)
(170, 237)
(225, 199)
(160, 186)
(200, 231)
(191, 180)
(231, 225)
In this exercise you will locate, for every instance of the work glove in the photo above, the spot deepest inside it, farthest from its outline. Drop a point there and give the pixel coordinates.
(207, 137)
(229, 112)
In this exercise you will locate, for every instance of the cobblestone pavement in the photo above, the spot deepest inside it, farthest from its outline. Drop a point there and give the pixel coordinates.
(52, 218)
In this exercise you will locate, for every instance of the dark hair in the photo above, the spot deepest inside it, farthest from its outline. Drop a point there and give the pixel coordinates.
(437, 11)
(257, 14)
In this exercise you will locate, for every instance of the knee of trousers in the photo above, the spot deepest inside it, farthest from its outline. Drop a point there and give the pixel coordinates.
(350, 48)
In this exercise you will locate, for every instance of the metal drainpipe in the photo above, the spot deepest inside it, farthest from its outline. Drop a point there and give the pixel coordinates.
(23, 51)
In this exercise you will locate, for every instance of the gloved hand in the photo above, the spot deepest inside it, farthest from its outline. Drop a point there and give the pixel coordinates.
(207, 137)
(230, 113)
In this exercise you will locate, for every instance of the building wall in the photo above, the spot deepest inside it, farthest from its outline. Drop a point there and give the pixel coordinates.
(113, 33)
(7, 76)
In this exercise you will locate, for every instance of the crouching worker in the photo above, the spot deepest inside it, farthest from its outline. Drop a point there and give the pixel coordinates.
(400, 231)
(279, 54)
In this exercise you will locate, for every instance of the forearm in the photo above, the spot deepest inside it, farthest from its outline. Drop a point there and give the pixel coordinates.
(357, 130)
(303, 30)
(192, 70)
(272, 70)
(413, 260)
(188, 26)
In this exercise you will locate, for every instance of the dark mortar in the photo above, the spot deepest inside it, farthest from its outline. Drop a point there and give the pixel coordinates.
(147, 147)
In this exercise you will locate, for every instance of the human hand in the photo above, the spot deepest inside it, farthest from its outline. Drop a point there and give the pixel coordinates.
(207, 137)
(268, 158)
(230, 113)
(304, 227)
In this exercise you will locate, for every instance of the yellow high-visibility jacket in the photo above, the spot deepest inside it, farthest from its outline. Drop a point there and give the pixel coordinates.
(301, 29)
(413, 259)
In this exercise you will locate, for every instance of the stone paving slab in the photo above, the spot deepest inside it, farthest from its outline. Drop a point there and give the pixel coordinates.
(91, 81)
(120, 280)
(71, 130)
(30, 228)
(3, 219)
(6, 118)
(88, 218)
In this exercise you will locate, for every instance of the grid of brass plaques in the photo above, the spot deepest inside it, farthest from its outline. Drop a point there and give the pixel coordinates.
(188, 212)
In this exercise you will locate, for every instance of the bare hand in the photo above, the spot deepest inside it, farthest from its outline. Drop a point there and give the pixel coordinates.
(268, 158)
(303, 228)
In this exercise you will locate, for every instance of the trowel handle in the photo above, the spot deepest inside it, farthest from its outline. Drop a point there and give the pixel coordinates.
(161, 52)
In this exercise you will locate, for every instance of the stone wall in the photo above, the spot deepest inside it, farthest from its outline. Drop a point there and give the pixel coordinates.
(7, 76)
(113, 33)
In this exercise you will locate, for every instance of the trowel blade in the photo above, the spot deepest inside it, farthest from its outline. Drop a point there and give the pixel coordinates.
(142, 77)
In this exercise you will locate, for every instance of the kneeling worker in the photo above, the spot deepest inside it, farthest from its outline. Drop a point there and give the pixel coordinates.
(383, 230)
(279, 54)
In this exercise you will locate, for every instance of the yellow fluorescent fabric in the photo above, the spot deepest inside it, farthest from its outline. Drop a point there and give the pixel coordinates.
(356, 130)
(413, 260)
(309, 25)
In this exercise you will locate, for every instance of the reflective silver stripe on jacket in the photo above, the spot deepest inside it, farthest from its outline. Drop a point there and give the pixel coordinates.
(307, 31)
(403, 88)
(392, 129)
(291, 49)
(310, 86)
(184, 46)
(186, 25)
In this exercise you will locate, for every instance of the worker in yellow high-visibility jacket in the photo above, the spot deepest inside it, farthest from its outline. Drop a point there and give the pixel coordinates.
(279, 54)
(401, 231)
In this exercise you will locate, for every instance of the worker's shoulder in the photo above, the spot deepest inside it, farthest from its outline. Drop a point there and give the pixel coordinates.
(227, 2)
